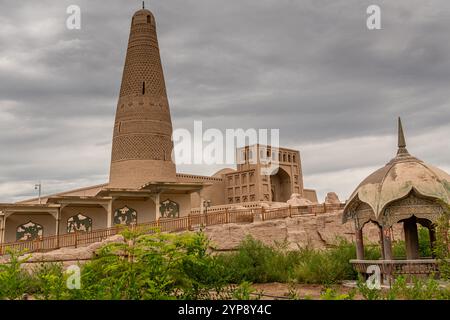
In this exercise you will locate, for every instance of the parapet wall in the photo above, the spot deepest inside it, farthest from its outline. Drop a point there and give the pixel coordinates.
(311, 209)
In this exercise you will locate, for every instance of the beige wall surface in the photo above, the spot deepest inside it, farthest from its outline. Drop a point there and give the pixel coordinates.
(311, 195)
(183, 200)
(47, 221)
(215, 193)
(98, 216)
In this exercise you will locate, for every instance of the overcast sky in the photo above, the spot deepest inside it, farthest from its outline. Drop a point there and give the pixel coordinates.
(310, 68)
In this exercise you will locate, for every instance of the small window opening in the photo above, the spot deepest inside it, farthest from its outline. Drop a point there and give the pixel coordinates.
(148, 19)
(143, 87)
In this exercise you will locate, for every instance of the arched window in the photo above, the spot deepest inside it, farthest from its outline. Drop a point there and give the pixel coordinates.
(169, 209)
(125, 216)
(149, 19)
(242, 157)
(29, 231)
(79, 223)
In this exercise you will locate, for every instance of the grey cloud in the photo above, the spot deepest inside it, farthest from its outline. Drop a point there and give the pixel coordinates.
(310, 68)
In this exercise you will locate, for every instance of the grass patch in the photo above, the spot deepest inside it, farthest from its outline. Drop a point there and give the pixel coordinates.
(257, 262)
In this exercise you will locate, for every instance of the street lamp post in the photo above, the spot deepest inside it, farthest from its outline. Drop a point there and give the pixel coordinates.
(39, 188)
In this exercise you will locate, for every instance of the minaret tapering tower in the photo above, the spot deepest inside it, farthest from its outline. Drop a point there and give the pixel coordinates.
(142, 139)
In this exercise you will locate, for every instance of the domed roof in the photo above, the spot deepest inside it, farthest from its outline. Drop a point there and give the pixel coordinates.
(399, 177)
(143, 12)
(223, 171)
(143, 16)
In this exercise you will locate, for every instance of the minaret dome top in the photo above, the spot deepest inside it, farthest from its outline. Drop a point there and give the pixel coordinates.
(143, 16)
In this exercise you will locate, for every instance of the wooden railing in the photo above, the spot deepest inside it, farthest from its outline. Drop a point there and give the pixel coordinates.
(279, 213)
(189, 222)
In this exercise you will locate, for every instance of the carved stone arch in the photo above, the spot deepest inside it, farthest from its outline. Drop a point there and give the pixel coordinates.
(29, 231)
(409, 206)
(370, 221)
(125, 216)
(169, 209)
(360, 212)
(79, 223)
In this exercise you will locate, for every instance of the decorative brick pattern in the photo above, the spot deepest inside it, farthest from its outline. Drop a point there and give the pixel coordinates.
(141, 147)
(143, 126)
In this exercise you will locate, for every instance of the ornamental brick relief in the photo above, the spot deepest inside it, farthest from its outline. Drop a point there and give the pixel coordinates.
(169, 209)
(143, 147)
(29, 231)
(79, 223)
(125, 216)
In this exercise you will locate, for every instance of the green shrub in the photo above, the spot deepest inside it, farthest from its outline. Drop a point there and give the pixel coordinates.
(158, 266)
(424, 242)
(333, 294)
(258, 263)
(399, 246)
(48, 281)
(14, 280)
(399, 249)
(325, 267)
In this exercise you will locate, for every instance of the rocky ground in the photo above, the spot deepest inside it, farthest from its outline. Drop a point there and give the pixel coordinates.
(319, 231)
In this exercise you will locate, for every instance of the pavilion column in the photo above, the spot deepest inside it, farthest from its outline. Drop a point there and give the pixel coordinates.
(58, 223)
(157, 206)
(2, 228)
(387, 243)
(359, 244)
(202, 203)
(411, 238)
(380, 232)
(443, 234)
(109, 212)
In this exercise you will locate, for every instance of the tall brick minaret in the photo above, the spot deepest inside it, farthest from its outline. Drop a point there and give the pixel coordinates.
(142, 144)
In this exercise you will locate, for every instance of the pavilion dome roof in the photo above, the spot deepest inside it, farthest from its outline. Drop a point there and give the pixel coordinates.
(398, 178)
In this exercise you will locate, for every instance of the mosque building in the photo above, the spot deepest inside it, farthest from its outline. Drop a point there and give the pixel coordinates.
(143, 183)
